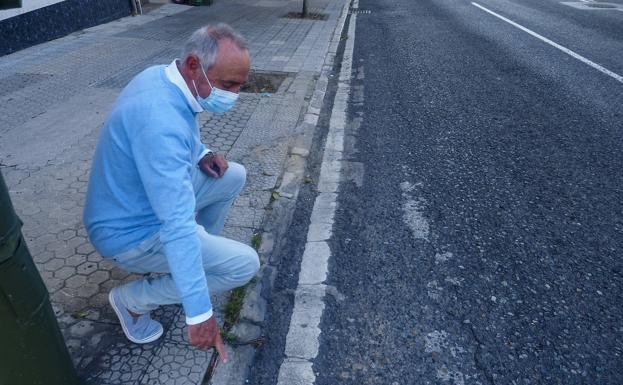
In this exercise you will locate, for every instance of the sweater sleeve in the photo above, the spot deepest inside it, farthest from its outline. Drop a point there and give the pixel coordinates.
(163, 153)
(203, 150)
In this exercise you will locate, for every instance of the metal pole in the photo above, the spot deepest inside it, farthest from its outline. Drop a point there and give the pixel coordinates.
(134, 9)
(304, 13)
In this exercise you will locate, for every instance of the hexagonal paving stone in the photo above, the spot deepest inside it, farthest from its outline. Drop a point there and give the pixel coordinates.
(87, 290)
(75, 260)
(119, 274)
(53, 264)
(105, 264)
(165, 367)
(43, 257)
(53, 284)
(94, 257)
(64, 251)
(87, 268)
(54, 245)
(64, 272)
(76, 242)
(75, 281)
(66, 234)
(85, 248)
(106, 286)
(100, 299)
(98, 276)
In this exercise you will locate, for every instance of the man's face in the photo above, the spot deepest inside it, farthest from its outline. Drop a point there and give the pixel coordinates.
(229, 71)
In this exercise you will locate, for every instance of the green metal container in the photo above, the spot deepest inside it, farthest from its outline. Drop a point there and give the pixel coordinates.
(32, 349)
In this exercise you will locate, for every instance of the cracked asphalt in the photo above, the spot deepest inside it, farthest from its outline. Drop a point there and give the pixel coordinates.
(484, 243)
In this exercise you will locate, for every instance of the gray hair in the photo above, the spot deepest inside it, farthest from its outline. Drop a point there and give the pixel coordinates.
(204, 43)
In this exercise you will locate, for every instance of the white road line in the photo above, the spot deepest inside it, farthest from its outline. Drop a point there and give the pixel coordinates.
(556, 45)
(303, 338)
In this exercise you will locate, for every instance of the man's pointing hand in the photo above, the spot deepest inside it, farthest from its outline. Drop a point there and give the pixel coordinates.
(206, 335)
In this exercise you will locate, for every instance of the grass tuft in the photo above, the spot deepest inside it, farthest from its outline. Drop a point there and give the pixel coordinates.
(228, 337)
(256, 241)
(233, 307)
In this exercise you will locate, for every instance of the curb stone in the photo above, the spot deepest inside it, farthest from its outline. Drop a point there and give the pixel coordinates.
(254, 308)
(303, 336)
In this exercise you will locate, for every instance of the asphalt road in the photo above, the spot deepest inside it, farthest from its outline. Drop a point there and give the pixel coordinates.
(485, 243)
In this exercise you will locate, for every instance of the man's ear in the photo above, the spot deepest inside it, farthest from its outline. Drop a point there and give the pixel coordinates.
(192, 63)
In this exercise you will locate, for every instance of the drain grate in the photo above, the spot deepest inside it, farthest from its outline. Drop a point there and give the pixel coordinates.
(359, 11)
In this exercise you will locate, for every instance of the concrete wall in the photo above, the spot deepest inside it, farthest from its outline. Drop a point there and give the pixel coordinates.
(42, 20)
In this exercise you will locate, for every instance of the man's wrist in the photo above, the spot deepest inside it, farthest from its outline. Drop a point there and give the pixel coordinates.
(206, 155)
(194, 320)
(209, 153)
(203, 153)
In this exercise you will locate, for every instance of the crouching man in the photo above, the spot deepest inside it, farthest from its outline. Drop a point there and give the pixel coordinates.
(157, 198)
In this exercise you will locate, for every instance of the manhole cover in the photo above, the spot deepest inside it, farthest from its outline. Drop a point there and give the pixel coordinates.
(598, 5)
(261, 82)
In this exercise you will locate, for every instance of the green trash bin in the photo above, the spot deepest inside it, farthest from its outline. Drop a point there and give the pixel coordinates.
(32, 349)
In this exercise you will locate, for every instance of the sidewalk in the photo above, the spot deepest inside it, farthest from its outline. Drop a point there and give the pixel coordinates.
(55, 98)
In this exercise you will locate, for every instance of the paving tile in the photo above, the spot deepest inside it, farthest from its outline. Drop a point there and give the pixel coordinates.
(177, 364)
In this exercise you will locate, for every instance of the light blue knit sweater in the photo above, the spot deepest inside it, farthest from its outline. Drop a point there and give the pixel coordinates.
(141, 181)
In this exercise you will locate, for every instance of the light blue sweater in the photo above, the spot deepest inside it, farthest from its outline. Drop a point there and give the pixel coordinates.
(141, 181)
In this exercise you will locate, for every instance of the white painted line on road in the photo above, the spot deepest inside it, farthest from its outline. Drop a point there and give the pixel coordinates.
(303, 338)
(556, 45)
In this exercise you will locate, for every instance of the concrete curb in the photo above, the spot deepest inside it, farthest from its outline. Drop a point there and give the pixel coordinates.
(255, 303)
(303, 338)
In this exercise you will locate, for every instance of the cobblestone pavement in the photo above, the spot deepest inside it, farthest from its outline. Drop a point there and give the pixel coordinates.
(53, 100)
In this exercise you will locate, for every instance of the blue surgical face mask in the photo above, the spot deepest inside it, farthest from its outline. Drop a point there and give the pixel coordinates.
(219, 101)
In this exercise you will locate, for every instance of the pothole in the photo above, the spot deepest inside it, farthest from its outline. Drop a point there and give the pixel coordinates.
(264, 82)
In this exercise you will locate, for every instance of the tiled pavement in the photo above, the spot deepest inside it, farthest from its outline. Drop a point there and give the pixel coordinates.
(53, 100)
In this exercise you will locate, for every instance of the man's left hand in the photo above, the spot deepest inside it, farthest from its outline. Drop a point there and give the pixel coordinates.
(213, 165)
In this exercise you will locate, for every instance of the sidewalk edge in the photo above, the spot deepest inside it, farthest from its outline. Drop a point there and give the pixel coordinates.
(242, 357)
